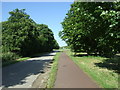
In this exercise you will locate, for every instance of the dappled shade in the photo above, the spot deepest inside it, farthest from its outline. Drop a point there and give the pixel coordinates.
(110, 63)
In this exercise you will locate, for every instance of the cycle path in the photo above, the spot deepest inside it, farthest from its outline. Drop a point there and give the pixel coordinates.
(69, 75)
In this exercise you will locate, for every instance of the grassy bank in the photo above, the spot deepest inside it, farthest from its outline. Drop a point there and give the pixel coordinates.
(103, 70)
(12, 58)
(14, 61)
(54, 68)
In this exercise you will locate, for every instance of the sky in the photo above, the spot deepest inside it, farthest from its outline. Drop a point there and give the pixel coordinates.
(49, 13)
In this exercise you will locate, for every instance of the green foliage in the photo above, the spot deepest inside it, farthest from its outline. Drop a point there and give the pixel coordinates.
(93, 27)
(21, 35)
(56, 45)
(46, 38)
(9, 56)
(65, 47)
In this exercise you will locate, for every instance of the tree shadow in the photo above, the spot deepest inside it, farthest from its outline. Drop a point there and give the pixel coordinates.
(110, 63)
(83, 55)
(18, 73)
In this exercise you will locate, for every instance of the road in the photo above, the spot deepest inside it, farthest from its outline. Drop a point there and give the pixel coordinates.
(24, 73)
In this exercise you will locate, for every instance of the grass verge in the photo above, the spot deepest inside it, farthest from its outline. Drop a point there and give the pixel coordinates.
(14, 61)
(53, 72)
(100, 69)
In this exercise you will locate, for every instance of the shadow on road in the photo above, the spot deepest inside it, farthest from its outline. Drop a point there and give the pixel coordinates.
(17, 73)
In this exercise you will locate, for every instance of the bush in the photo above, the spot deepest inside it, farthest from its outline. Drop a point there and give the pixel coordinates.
(9, 56)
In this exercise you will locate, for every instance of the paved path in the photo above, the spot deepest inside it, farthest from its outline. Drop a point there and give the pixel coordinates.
(24, 73)
(69, 75)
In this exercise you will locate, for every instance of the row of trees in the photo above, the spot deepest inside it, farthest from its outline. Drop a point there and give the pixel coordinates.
(93, 27)
(23, 36)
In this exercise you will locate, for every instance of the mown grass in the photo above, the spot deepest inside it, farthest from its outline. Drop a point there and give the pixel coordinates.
(103, 70)
(53, 72)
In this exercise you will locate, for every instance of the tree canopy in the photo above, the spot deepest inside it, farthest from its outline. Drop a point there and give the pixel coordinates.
(93, 27)
(21, 35)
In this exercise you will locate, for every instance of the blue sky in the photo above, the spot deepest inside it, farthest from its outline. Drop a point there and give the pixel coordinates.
(49, 13)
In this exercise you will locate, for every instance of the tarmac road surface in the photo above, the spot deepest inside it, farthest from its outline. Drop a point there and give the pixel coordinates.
(24, 73)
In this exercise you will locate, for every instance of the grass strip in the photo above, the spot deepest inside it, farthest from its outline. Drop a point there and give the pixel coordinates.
(22, 59)
(53, 72)
(105, 77)
(14, 61)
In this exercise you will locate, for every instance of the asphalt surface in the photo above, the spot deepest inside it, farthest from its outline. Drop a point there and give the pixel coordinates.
(24, 73)
(69, 75)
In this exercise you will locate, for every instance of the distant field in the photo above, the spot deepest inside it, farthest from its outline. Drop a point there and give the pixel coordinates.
(104, 71)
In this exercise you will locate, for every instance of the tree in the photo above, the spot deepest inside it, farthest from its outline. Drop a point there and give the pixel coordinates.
(18, 32)
(56, 45)
(23, 36)
(46, 36)
(92, 27)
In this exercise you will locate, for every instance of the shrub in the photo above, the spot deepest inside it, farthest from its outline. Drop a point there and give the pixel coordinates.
(9, 56)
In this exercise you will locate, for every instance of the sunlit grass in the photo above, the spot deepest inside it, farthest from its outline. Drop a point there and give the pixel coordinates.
(105, 77)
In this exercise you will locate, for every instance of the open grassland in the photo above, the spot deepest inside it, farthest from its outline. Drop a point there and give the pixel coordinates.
(53, 72)
(103, 70)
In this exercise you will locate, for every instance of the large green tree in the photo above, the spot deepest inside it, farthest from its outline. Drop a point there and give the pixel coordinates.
(46, 37)
(93, 27)
(19, 32)
(23, 36)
